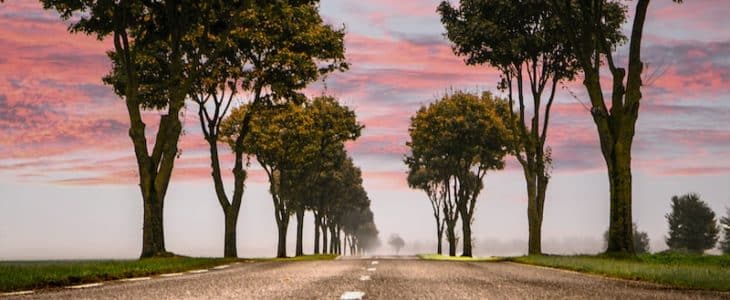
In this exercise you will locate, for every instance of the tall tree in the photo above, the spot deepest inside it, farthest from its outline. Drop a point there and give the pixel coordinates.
(522, 40)
(144, 33)
(725, 224)
(592, 29)
(692, 225)
(427, 180)
(277, 55)
(460, 137)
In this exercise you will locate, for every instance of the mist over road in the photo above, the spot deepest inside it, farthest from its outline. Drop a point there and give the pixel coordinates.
(378, 278)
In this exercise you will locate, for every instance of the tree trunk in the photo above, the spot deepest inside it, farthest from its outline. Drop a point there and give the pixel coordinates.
(466, 229)
(317, 225)
(620, 235)
(300, 231)
(534, 216)
(324, 239)
(231, 219)
(333, 239)
(153, 236)
(451, 237)
(439, 237)
(281, 245)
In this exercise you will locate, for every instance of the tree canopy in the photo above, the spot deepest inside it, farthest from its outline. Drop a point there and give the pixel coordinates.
(692, 224)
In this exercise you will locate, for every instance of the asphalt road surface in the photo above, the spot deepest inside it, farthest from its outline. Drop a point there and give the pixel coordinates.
(377, 278)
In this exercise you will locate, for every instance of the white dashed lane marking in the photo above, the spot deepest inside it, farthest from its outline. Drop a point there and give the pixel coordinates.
(354, 295)
(371, 269)
(375, 262)
(364, 277)
(135, 279)
(171, 274)
(221, 267)
(20, 293)
(84, 286)
(198, 271)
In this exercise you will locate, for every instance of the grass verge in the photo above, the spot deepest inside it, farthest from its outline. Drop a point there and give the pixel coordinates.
(457, 258)
(690, 271)
(25, 275)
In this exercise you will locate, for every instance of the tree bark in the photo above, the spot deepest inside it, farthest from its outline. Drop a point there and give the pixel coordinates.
(466, 230)
(620, 232)
(317, 225)
(281, 245)
(324, 238)
(153, 236)
(451, 237)
(300, 231)
(439, 237)
(231, 219)
(333, 239)
(536, 187)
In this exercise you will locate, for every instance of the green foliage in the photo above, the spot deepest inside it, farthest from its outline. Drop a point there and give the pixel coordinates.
(725, 224)
(679, 270)
(641, 240)
(23, 275)
(507, 34)
(692, 224)
(458, 133)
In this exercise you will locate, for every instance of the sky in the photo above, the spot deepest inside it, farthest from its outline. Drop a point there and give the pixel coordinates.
(68, 175)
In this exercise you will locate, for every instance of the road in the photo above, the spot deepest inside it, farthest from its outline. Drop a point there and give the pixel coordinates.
(377, 278)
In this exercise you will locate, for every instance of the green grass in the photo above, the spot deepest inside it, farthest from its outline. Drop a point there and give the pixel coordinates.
(691, 271)
(25, 275)
(456, 258)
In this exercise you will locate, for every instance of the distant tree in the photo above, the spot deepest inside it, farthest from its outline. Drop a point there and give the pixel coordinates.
(520, 39)
(334, 124)
(459, 137)
(692, 225)
(396, 242)
(641, 240)
(725, 224)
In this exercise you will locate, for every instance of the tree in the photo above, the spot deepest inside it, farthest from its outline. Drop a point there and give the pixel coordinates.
(725, 224)
(396, 242)
(145, 33)
(692, 225)
(520, 39)
(280, 140)
(427, 180)
(641, 240)
(278, 53)
(334, 124)
(460, 138)
(593, 32)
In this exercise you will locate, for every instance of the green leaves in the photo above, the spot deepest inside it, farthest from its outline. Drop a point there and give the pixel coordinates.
(692, 224)
(457, 133)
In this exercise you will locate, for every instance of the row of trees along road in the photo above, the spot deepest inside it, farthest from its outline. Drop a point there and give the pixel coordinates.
(211, 52)
(536, 45)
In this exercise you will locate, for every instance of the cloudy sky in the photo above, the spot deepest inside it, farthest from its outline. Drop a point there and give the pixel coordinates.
(67, 171)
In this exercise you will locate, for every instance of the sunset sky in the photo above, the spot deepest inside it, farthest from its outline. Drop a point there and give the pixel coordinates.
(68, 175)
